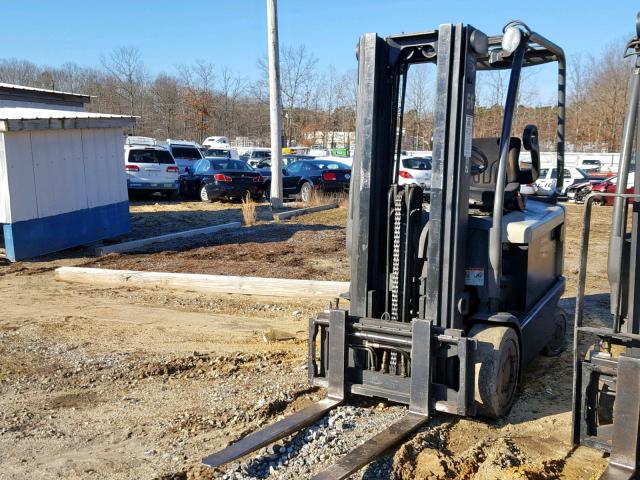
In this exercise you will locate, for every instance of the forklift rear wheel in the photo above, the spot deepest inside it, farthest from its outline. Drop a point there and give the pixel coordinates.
(497, 366)
(559, 340)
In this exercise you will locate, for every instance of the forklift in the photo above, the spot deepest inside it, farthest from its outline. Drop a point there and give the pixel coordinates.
(606, 382)
(447, 301)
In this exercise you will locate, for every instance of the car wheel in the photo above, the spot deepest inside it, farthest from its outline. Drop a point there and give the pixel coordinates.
(598, 201)
(204, 195)
(172, 194)
(305, 192)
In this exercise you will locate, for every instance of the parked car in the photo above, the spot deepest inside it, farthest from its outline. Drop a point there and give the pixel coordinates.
(319, 175)
(216, 141)
(185, 153)
(577, 192)
(221, 151)
(590, 165)
(265, 163)
(212, 179)
(547, 182)
(253, 156)
(415, 170)
(609, 186)
(150, 167)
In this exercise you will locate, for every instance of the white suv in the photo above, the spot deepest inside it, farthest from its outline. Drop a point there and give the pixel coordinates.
(185, 153)
(150, 167)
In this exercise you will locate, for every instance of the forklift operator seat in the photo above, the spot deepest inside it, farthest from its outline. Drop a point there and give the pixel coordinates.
(485, 155)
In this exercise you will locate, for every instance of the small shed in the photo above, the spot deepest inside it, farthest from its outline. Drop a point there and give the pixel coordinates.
(62, 179)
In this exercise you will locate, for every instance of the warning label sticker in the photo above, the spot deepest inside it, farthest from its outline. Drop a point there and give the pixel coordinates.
(468, 135)
(474, 277)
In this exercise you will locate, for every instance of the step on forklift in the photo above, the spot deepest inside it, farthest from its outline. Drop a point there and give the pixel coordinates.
(606, 389)
(449, 301)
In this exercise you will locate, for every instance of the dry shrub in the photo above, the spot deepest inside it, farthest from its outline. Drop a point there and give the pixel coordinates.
(322, 198)
(249, 210)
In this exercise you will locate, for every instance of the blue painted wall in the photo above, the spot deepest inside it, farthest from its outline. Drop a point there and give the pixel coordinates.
(31, 238)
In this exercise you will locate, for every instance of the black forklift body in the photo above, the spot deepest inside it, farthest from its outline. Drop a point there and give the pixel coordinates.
(606, 390)
(435, 266)
(425, 281)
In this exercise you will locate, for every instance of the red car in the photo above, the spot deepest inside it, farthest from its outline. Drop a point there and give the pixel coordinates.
(609, 186)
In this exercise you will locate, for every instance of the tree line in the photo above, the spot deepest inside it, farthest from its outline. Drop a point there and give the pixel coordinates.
(205, 99)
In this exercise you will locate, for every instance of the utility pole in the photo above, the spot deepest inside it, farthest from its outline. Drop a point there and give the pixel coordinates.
(275, 105)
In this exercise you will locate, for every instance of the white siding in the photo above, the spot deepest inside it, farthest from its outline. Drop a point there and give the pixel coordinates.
(5, 208)
(19, 164)
(49, 172)
(103, 152)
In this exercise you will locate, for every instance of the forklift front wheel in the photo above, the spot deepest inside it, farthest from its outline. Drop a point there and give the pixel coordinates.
(496, 366)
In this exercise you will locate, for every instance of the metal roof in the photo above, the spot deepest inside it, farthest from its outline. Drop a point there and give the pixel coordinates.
(18, 88)
(22, 118)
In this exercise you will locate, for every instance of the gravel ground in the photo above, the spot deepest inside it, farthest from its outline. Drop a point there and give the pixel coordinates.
(99, 383)
(317, 447)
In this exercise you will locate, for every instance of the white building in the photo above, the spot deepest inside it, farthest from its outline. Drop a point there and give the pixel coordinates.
(62, 179)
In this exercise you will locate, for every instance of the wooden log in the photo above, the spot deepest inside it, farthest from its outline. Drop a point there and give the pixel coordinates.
(135, 244)
(274, 287)
(302, 211)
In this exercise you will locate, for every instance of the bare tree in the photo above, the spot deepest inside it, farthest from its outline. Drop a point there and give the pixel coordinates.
(200, 99)
(420, 101)
(166, 98)
(125, 67)
(297, 72)
(231, 88)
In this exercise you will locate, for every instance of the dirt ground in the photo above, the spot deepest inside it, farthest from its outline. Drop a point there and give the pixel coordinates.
(135, 384)
(311, 247)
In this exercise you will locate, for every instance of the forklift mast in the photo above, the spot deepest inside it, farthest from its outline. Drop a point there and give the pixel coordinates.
(459, 52)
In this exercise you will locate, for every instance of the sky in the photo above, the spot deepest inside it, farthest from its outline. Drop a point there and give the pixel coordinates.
(233, 33)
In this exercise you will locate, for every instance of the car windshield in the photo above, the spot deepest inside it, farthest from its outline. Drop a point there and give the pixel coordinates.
(417, 163)
(331, 166)
(230, 165)
(150, 156)
(217, 152)
(591, 162)
(187, 153)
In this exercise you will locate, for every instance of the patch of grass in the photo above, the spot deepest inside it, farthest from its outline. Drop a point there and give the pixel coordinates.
(249, 210)
(323, 198)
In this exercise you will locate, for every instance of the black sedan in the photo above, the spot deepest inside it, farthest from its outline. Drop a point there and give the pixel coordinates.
(217, 178)
(290, 183)
(327, 176)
